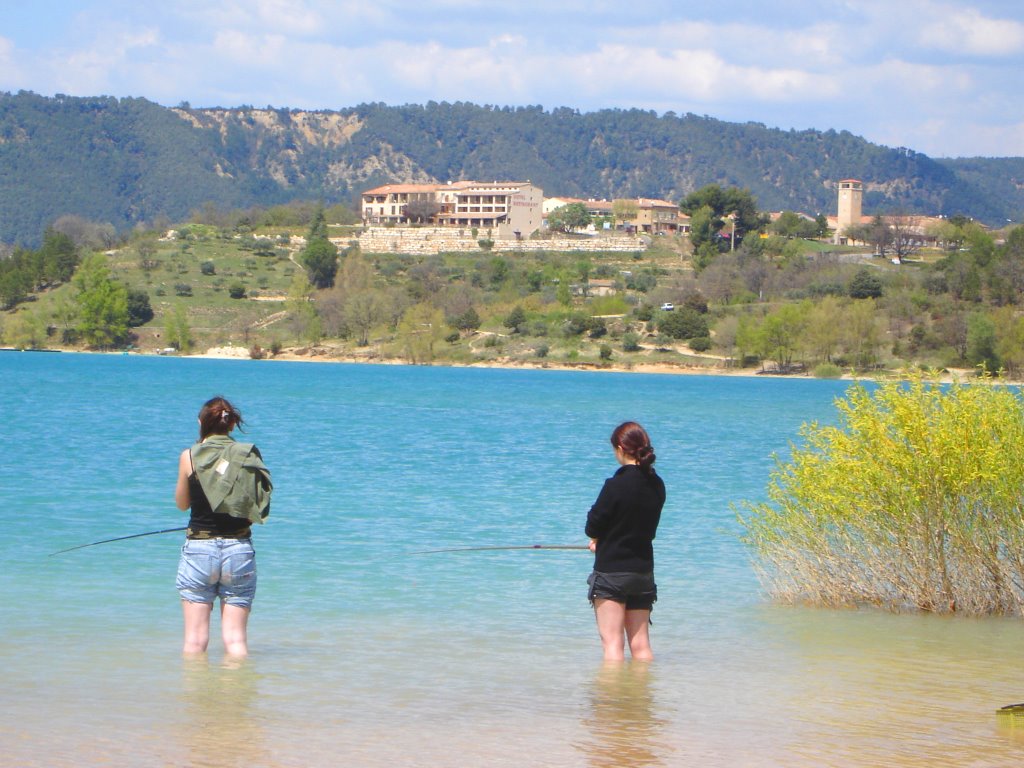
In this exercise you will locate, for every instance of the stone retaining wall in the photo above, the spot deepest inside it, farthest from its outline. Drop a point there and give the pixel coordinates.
(433, 240)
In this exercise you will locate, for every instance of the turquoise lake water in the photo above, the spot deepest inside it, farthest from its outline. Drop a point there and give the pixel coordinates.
(365, 654)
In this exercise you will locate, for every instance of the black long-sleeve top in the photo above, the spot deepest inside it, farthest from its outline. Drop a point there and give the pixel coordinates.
(624, 520)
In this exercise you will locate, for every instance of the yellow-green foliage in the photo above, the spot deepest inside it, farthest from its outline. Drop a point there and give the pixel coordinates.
(914, 500)
(609, 305)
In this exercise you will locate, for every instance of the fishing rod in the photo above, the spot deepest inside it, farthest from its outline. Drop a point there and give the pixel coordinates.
(494, 549)
(119, 538)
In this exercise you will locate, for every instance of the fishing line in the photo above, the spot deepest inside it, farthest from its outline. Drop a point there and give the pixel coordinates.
(118, 538)
(494, 549)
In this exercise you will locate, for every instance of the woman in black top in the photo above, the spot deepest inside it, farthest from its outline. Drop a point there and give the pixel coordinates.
(621, 526)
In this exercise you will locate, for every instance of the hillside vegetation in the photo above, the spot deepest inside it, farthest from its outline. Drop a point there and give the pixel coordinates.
(777, 303)
(126, 162)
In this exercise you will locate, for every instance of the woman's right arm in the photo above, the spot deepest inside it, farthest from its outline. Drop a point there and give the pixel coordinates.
(181, 495)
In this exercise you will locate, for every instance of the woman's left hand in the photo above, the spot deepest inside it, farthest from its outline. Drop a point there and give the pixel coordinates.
(592, 546)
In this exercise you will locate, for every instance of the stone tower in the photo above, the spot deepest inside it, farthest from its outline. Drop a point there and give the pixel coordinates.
(851, 194)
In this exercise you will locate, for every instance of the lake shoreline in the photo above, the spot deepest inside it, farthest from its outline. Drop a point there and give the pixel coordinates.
(328, 355)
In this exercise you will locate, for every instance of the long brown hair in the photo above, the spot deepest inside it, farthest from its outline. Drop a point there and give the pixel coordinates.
(636, 444)
(218, 417)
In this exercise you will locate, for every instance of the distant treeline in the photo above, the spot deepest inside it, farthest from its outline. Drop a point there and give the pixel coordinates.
(27, 271)
(128, 161)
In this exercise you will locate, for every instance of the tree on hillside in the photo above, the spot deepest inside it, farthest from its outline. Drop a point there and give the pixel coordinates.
(949, 233)
(516, 320)
(863, 335)
(684, 323)
(738, 205)
(302, 316)
(86, 235)
(905, 236)
(981, 342)
(177, 332)
(340, 214)
(355, 305)
(25, 271)
(145, 249)
(25, 330)
(865, 285)
(363, 310)
(569, 218)
(781, 334)
(420, 329)
(59, 257)
(792, 224)
(318, 227)
(824, 330)
(1006, 272)
(705, 225)
(140, 311)
(876, 233)
(1010, 340)
(64, 313)
(102, 304)
(624, 212)
(320, 258)
(466, 321)
(16, 281)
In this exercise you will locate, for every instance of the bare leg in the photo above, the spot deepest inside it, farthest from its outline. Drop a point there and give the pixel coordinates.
(611, 622)
(639, 638)
(233, 623)
(197, 626)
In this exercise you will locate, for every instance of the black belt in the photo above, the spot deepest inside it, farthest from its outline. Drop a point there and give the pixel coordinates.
(202, 535)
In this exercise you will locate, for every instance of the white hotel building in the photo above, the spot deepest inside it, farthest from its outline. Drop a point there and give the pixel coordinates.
(507, 208)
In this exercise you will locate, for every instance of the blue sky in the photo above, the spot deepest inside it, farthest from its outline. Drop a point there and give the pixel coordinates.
(938, 77)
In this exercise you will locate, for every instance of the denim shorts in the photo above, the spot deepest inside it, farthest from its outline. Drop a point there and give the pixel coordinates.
(636, 590)
(212, 568)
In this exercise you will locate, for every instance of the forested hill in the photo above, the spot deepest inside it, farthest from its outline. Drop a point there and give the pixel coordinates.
(125, 161)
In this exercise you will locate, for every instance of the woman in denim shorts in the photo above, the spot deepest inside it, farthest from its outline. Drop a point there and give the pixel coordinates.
(621, 526)
(218, 559)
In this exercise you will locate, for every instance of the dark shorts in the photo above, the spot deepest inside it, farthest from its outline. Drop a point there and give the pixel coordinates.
(637, 590)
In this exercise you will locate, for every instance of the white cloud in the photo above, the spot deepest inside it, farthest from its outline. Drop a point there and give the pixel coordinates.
(302, 19)
(10, 72)
(90, 70)
(690, 75)
(287, 16)
(900, 84)
(812, 46)
(954, 137)
(1009, 138)
(259, 50)
(506, 40)
(967, 31)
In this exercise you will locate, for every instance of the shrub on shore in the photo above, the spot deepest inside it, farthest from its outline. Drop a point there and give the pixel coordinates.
(913, 501)
(828, 371)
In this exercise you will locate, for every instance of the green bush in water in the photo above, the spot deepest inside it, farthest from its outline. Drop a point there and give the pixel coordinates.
(914, 500)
